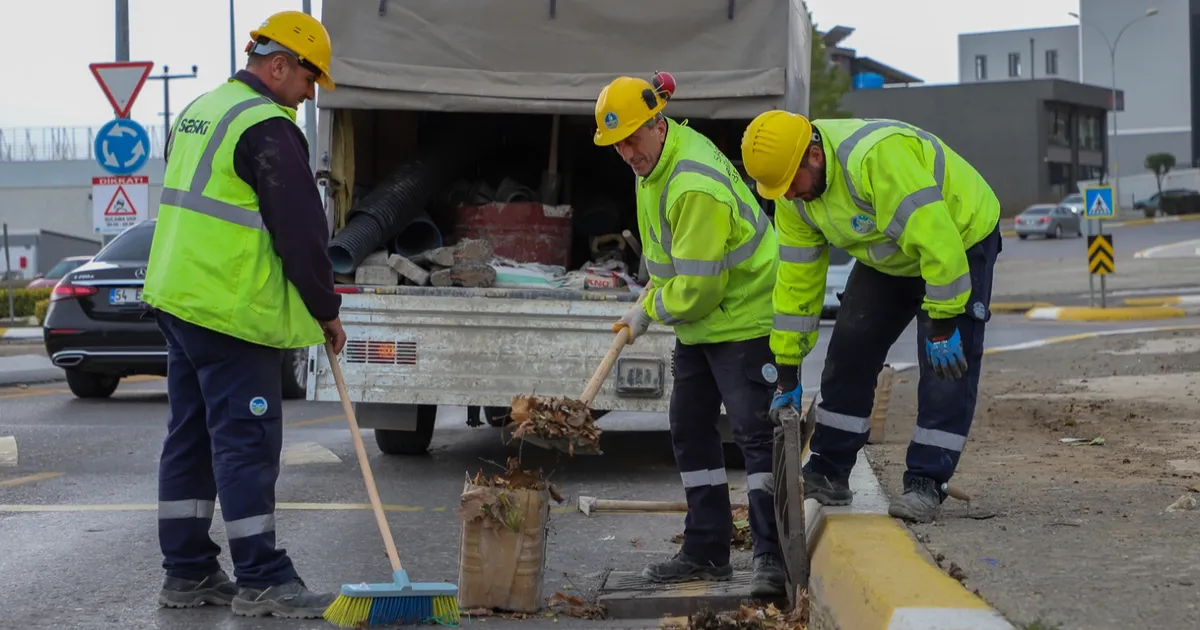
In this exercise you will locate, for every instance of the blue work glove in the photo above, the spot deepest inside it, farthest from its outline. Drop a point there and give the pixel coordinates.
(787, 392)
(944, 350)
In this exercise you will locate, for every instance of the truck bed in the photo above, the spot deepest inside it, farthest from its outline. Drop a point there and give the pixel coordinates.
(456, 346)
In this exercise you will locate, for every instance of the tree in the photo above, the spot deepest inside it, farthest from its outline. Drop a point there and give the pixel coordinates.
(828, 82)
(1160, 164)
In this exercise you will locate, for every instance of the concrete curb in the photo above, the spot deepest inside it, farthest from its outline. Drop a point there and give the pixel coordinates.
(26, 332)
(1016, 307)
(1128, 223)
(1111, 314)
(1164, 300)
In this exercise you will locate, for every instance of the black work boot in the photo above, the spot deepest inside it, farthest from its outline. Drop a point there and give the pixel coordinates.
(921, 501)
(685, 568)
(290, 600)
(769, 580)
(216, 589)
(827, 490)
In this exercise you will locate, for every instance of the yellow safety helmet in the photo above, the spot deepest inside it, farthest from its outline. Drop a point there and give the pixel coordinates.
(772, 148)
(303, 35)
(626, 104)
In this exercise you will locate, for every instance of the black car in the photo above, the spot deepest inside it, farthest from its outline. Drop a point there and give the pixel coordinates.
(99, 330)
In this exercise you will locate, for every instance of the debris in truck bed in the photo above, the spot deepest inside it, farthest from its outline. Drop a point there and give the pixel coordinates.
(490, 500)
(555, 419)
(751, 617)
(467, 274)
(376, 275)
(410, 270)
(467, 250)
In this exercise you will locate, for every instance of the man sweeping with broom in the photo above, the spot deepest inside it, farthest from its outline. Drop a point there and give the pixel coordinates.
(712, 256)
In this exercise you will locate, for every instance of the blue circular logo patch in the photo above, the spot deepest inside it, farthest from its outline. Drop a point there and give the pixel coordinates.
(610, 120)
(862, 224)
(258, 405)
(770, 373)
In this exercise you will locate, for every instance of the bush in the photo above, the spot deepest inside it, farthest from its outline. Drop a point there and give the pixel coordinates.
(24, 301)
(39, 310)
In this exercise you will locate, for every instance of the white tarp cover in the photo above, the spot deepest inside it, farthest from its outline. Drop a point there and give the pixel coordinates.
(512, 56)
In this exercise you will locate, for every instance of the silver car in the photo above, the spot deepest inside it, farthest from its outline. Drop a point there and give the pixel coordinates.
(840, 264)
(1049, 220)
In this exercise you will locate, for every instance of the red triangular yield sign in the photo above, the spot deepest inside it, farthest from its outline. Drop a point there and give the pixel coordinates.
(121, 82)
(120, 206)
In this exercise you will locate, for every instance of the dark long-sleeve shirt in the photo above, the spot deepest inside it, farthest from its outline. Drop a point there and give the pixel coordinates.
(272, 158)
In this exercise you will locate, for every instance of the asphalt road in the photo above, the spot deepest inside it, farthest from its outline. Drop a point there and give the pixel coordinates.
(1127, 241)
(77, 494)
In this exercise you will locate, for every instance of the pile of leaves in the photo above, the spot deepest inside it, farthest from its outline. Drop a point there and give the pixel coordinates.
(741, 540)
(492, 500)
(557, 420)
(752, 618)
(563, 604)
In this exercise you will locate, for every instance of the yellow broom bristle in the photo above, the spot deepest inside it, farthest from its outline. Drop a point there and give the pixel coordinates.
(445, 609)
(348, 612)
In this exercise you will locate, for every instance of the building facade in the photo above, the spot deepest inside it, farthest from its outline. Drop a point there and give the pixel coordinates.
(1157, 66)
(1032, 140)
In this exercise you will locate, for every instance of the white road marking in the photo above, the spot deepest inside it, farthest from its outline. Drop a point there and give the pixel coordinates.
(946, 618)
(8, 451)
(307, 453)
(1186, 249)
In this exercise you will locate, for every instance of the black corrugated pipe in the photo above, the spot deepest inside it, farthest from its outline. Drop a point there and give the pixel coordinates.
(419, 235)
(388, 209)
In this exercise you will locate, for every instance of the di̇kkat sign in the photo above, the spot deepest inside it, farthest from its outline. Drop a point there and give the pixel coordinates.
(119, 202)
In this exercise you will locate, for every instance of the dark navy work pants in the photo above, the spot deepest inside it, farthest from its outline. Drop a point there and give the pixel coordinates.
(224, 436)
(875, 310)
(705, 376)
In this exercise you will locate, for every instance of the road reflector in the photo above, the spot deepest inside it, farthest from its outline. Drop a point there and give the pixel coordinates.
(1100, 255)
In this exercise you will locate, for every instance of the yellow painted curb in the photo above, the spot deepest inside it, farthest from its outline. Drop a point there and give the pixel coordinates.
(1007, 233)
(1016, 307)
(1167, 219)
(1153, 301)
(1111, 314)
(869, 574)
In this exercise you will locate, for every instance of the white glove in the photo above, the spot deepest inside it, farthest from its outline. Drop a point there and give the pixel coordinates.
(636, 320)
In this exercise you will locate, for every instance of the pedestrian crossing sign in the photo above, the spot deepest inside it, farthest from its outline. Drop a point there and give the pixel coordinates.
(1098, 203)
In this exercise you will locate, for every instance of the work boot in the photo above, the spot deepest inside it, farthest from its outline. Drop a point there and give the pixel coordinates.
(685, 568)
(921, 501)
(827, 490)
(216, 589)
(769, 580)
(290, 600)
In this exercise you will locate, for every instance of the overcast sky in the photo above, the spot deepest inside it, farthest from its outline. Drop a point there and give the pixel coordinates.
(49, 45)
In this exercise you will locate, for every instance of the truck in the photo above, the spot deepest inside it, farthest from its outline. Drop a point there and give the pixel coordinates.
(516, 81)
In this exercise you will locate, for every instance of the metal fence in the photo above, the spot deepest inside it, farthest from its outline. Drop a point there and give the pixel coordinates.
(43, 144)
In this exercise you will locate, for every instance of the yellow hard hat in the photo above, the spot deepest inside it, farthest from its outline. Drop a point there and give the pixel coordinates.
(623, 106)
(772, 148)
(303, 35)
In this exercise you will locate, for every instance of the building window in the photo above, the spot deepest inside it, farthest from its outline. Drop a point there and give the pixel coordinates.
(1060, 128)
(1014, 64)
(1051, 62)
(981, 67)
(1089, 133)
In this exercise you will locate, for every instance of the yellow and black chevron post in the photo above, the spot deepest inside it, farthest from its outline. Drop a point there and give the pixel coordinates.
(1100, 255)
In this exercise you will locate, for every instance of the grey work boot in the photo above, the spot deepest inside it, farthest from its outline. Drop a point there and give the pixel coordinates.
(921, 501)
(290, 600)
(769, 580)
(685, 568)
(825, 489)
(216, 589)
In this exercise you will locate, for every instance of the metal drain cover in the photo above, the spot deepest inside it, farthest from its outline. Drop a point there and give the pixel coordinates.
(627, 595)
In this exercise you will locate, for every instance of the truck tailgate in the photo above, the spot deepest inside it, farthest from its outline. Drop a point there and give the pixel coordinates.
(441, 346)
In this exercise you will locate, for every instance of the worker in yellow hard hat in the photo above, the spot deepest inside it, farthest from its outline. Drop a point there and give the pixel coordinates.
(240, 283)
(923, 226)
(711, 253)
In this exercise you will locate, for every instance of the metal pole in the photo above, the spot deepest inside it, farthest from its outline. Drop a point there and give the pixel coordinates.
(12, 311)
(1112, 53)
(1100, 230)
(310, 114)
(166, 77)
(122, 34)
(232, 43)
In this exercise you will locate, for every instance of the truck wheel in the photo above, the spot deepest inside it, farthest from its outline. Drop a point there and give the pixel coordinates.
(295, 373)
(497, 416)
(393, 442)
(89, 385)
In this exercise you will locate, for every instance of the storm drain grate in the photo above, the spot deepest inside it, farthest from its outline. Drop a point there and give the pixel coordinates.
(631, 581)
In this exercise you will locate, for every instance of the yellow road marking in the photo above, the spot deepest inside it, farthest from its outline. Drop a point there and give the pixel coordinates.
(309, 423)
(33, 392)
(149, 507)
(9, 483)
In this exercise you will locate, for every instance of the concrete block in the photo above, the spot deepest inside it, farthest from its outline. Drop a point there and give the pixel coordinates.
(376, 275)
(377, 258)
(408, 269)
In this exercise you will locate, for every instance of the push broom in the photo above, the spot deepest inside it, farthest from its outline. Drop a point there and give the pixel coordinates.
(401, 601)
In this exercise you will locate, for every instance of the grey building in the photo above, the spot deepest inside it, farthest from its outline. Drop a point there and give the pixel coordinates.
(1157, 61)
(31, 252)
(1039, 53)
(1032, 140)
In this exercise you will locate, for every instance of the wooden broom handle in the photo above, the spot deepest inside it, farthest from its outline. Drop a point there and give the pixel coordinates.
(606, 364)
(363, 463)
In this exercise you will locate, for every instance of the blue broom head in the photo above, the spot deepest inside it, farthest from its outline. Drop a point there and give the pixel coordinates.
(401, 602)
(401, 586)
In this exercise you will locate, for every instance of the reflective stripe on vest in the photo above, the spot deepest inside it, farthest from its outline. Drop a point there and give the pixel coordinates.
(690, 267)
(193, 198)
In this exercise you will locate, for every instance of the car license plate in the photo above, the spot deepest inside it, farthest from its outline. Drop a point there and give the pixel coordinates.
(121, 297)
(639, 377)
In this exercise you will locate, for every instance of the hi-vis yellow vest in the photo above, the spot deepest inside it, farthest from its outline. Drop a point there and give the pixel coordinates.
(713, 272)
(211, 261)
